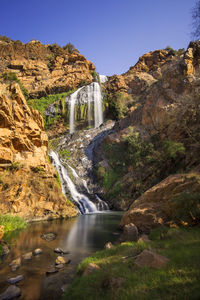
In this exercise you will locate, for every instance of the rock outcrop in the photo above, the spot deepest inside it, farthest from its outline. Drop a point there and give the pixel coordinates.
(160, 133)
(28, 186)
(44, 69)
(173, 200)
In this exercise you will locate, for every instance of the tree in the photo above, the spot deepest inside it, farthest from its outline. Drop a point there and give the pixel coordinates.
(196, 20)
(70, 48)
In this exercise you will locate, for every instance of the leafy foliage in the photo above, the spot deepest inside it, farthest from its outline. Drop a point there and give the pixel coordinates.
(11, 223)
(173, 148)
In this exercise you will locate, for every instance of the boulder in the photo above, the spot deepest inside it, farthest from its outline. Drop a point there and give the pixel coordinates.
(11, 293)
(15, 264)
(14, 280)
(37, 251)
(27, 256)
(130, 233)
(150, 259)
(62, 260)
(108, 245)
(90, 269)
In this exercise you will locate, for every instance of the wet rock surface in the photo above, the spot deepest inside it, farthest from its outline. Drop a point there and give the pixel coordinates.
(50, 236)
(11, 293)
(61, 251)
(37, 251)
(15, 264)
(27, 256)
(15, 279)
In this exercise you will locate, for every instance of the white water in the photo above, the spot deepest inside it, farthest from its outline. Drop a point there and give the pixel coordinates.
(88, 94)
(82, 201)
(103, 78)
(72, 99)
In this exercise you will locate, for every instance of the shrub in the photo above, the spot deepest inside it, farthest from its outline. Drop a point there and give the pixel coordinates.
(117, 104)
(11, 223)
(70, 48)
(173, 148)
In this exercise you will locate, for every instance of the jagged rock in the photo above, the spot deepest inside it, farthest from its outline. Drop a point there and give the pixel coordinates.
(27, 256)
(37, 251)
(130, 233)
(15, 279)
(10, 293)
(50, 236)
(90, 269)
(150, 259)
(108, 245)
(27, 174)
(45, 69)
(15, 264)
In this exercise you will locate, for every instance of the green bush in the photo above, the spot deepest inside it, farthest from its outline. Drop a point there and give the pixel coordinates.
(70, 48)
(11, 223)
(117, 104)
(186, 208)
(173, 149)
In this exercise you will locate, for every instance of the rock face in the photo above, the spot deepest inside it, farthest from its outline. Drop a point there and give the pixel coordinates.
(28, 186)
(164, 114)
(22, 136)
(44, 69)
(169, 201)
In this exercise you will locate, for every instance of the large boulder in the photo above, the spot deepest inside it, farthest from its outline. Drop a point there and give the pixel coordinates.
(171, 200)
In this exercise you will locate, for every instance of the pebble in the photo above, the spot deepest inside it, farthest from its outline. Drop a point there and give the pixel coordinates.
(11, 292)
(15, 279)
(28, 255)
(15, 264)
(61, 251)
(37, 251)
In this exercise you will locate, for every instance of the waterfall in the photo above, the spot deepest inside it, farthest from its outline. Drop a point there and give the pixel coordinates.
(103, 78)
(88, 95)
(84, 204)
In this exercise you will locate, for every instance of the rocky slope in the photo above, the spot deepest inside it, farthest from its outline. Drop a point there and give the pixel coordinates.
(159, 134)
(44, 69)
(28, 184)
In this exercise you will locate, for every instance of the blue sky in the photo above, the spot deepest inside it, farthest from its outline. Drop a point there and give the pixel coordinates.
(110, 33)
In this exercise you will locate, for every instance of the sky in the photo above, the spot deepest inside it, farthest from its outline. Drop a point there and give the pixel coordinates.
(112, 34)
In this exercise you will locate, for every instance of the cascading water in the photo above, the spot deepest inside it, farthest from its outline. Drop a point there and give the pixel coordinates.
(89, 95)
(84, 204)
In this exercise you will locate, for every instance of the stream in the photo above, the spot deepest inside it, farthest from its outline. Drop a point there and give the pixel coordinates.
(81, 236)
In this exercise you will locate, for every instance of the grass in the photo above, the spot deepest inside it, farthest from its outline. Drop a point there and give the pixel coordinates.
(178, 280)
(11, 223)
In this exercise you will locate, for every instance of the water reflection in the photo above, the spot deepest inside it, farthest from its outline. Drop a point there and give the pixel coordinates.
(80, 236)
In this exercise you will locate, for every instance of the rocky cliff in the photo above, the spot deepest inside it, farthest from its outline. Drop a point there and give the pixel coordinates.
(44, 69)
(159, 134)
(28, 185)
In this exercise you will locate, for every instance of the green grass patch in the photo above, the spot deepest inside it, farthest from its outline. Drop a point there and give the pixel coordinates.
(11, 223)
(178, 280)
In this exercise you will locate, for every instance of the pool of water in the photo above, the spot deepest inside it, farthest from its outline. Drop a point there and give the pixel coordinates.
(81, 236)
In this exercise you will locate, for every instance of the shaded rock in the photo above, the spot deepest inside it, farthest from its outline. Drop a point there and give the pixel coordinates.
(157, 206)
(15, 264)
(90, 269)
(60, 266)
(50, 236)
(27, 256)
(113, 283)
(15, 279)
(37, 251)
(61, 251)
(144, 238)
(51, 270)
(6, 250)
(150, 259)
(11, 292)
(130, 233)
(108, 245)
